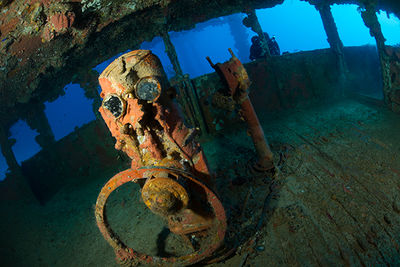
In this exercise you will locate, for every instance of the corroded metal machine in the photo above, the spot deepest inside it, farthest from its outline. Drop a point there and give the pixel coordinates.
(139, 109)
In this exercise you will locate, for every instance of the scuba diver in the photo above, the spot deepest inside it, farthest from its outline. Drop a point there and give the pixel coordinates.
(256, 50)
(273, 47)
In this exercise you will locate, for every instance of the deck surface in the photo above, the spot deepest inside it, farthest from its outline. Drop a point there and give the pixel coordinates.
(335, 200)
(338, 200)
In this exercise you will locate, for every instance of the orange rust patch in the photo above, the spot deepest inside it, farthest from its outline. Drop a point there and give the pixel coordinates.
(151, 145)
(106, 86)
(7, 27)
(151, 61)
(201, 165)
(120, 88)
(134, 111)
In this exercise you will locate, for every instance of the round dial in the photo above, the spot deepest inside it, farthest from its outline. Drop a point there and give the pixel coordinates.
(148, 89)
(114, 104)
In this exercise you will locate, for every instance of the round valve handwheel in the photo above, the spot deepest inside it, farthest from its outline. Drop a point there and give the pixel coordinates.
(211, 231)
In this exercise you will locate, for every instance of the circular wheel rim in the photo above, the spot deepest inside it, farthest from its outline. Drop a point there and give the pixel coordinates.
(128, 255)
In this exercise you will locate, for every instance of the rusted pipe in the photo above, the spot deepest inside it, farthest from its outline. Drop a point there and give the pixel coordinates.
(238, 82)
(265, 156)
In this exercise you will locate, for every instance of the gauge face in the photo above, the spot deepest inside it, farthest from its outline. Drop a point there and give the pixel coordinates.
(148, 89)
(114, 104)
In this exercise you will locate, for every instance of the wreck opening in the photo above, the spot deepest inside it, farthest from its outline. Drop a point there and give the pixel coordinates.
(355, 35)
(351, 28)
(210, 38)
(24, 139)
(69, 111)
(282, 21)
(390, 27)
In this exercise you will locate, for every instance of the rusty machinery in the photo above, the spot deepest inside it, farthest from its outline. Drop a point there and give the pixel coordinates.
(139, 110)
(237, 81)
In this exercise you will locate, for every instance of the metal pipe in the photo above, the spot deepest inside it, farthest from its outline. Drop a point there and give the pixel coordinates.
(265, 156)
(238, 82)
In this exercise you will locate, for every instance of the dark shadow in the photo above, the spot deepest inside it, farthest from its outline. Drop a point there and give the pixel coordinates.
(249, 198)
(74, 160)
(162, 237)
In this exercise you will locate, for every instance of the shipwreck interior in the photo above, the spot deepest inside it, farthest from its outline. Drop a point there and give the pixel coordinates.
(289, 159)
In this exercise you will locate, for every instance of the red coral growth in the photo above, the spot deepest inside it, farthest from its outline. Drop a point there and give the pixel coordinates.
(58, 23)
(61, 21)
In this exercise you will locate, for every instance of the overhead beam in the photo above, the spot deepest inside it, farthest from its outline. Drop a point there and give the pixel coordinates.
(333, 39)
(371, 21)
(252, 22)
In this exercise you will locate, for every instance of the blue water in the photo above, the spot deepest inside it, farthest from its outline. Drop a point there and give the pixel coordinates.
(25, 145)
(295, 24)
(69, 111)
